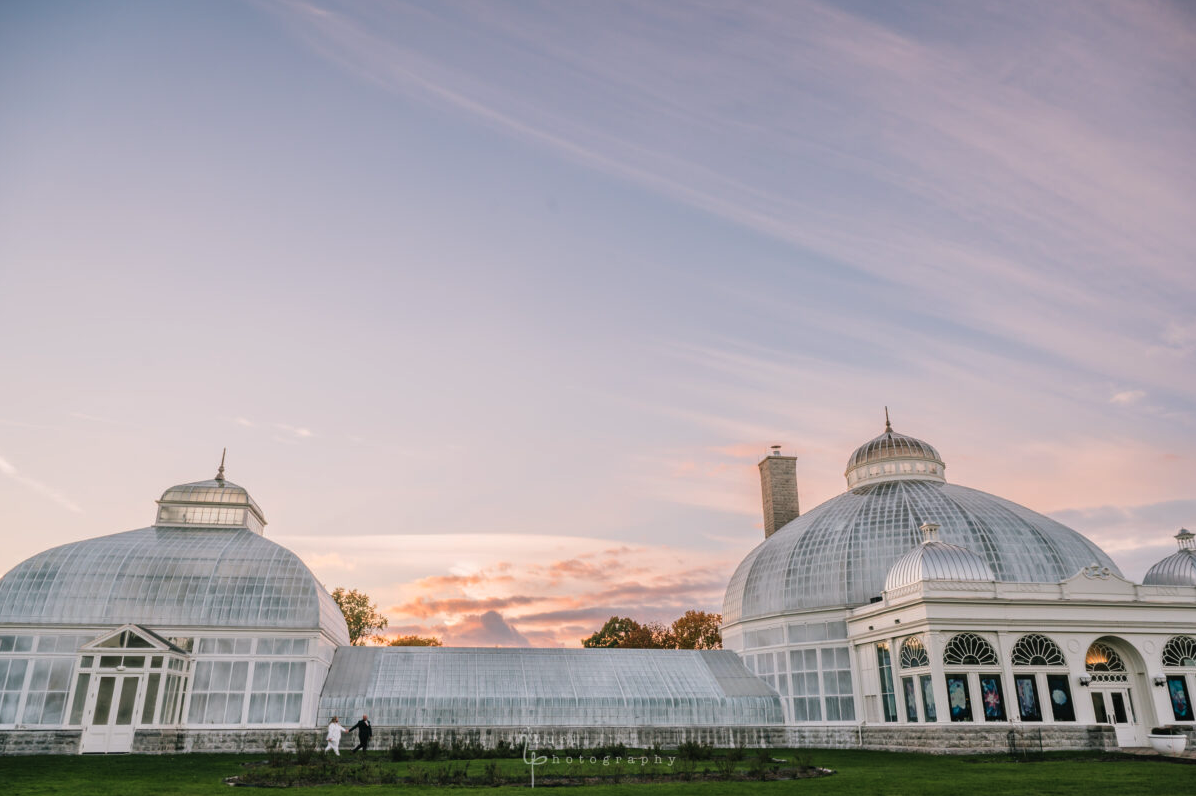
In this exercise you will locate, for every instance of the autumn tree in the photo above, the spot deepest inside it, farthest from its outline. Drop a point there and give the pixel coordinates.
(695, 630)
(613, 633)
(411, 641)
(649, 636)
(361, 615)
(698, 630)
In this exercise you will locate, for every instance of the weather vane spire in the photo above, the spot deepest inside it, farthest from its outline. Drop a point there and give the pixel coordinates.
(220, 472)
(888, 425)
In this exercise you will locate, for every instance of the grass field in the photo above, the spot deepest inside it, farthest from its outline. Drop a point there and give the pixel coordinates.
(881, 773)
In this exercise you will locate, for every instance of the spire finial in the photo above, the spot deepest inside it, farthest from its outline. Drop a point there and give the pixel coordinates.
(220, 472)
(888, 425)
(930, 531)
(1185, 539)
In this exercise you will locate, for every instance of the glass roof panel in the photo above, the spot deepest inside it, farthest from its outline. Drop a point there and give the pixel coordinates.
(838, 553)
(422, 686)
(170, 576)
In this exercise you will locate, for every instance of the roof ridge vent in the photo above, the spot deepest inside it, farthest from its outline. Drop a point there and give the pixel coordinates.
(1186, 539)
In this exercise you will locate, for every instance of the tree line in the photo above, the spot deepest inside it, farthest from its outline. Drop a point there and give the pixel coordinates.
(693, 630)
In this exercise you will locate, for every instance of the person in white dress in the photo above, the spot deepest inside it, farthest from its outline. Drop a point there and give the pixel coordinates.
(334, 736)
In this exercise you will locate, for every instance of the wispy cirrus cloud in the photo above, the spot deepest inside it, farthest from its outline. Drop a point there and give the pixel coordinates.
(986, 166)
(10, 471)
(1127, 397)
(1136, 536)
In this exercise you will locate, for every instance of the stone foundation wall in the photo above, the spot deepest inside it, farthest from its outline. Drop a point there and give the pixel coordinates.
(39, 742)
(982, 740)
(933, 739)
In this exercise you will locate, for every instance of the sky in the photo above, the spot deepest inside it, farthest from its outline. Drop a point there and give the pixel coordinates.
(496, 305)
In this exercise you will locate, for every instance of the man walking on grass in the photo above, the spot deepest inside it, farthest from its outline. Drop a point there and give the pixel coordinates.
(364, 733)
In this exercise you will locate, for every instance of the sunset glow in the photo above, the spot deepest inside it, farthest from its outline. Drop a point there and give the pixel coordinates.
(496, 306)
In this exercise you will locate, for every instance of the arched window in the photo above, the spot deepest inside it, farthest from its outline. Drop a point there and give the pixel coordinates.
(1104, 664)
(968, 649)
(1179, 651)
(913, 653)
(1035, 649)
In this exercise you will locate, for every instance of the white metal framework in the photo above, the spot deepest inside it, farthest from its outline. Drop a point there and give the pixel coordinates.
(1035, 649)
(968, 649)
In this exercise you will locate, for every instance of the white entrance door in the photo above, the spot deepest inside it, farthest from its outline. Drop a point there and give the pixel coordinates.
(108, 719)
(1115, 706)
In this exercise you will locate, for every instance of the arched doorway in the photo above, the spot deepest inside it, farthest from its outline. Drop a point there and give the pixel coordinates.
(1116, 671)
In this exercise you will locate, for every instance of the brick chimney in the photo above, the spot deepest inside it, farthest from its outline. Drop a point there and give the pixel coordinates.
(778, 486)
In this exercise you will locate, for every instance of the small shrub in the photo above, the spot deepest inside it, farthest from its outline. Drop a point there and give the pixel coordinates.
(276, 756)
(490, 775)
(429, 750)
(725, 765)
(305, 749)
(449, 774)
(693, 751)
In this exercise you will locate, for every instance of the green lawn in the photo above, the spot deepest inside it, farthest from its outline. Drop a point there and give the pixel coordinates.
(857, 773)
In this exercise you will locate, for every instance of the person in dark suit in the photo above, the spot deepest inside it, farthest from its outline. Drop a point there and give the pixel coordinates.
(364, 733)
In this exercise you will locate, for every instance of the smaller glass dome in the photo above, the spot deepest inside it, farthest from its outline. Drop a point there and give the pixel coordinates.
(891, 457)
(936, 560)
(1177, 569)
(210, 504)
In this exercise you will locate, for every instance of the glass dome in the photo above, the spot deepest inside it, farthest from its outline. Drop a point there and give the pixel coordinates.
(1177, 569)
(188, 571)
(839, 553)
(934, 559)
(893, 456)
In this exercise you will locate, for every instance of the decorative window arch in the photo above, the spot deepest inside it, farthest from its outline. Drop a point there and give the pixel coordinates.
(913, 653)
(1179, 651)
(968, 649)
(1104, 664)
(1035, 649)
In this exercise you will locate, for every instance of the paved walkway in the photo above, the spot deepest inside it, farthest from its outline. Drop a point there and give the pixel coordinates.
(1146, 751)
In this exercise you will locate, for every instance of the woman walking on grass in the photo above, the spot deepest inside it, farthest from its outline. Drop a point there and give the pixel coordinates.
(334, 736)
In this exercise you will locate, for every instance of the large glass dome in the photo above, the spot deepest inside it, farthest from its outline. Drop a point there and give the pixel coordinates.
(193, 571)
(838, 554)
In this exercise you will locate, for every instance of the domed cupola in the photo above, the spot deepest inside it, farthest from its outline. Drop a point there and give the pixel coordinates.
(203, 563)
(894, 457)
(936, 560)
(209, 504)
(1177, 569)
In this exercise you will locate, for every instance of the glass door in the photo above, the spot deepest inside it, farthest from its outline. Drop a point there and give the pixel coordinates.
(1116, 706)
(108, 724)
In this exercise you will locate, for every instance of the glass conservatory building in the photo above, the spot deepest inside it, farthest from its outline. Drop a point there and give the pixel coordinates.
(198, 633)
(909, 602)
(197, 621)
(906, 613)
